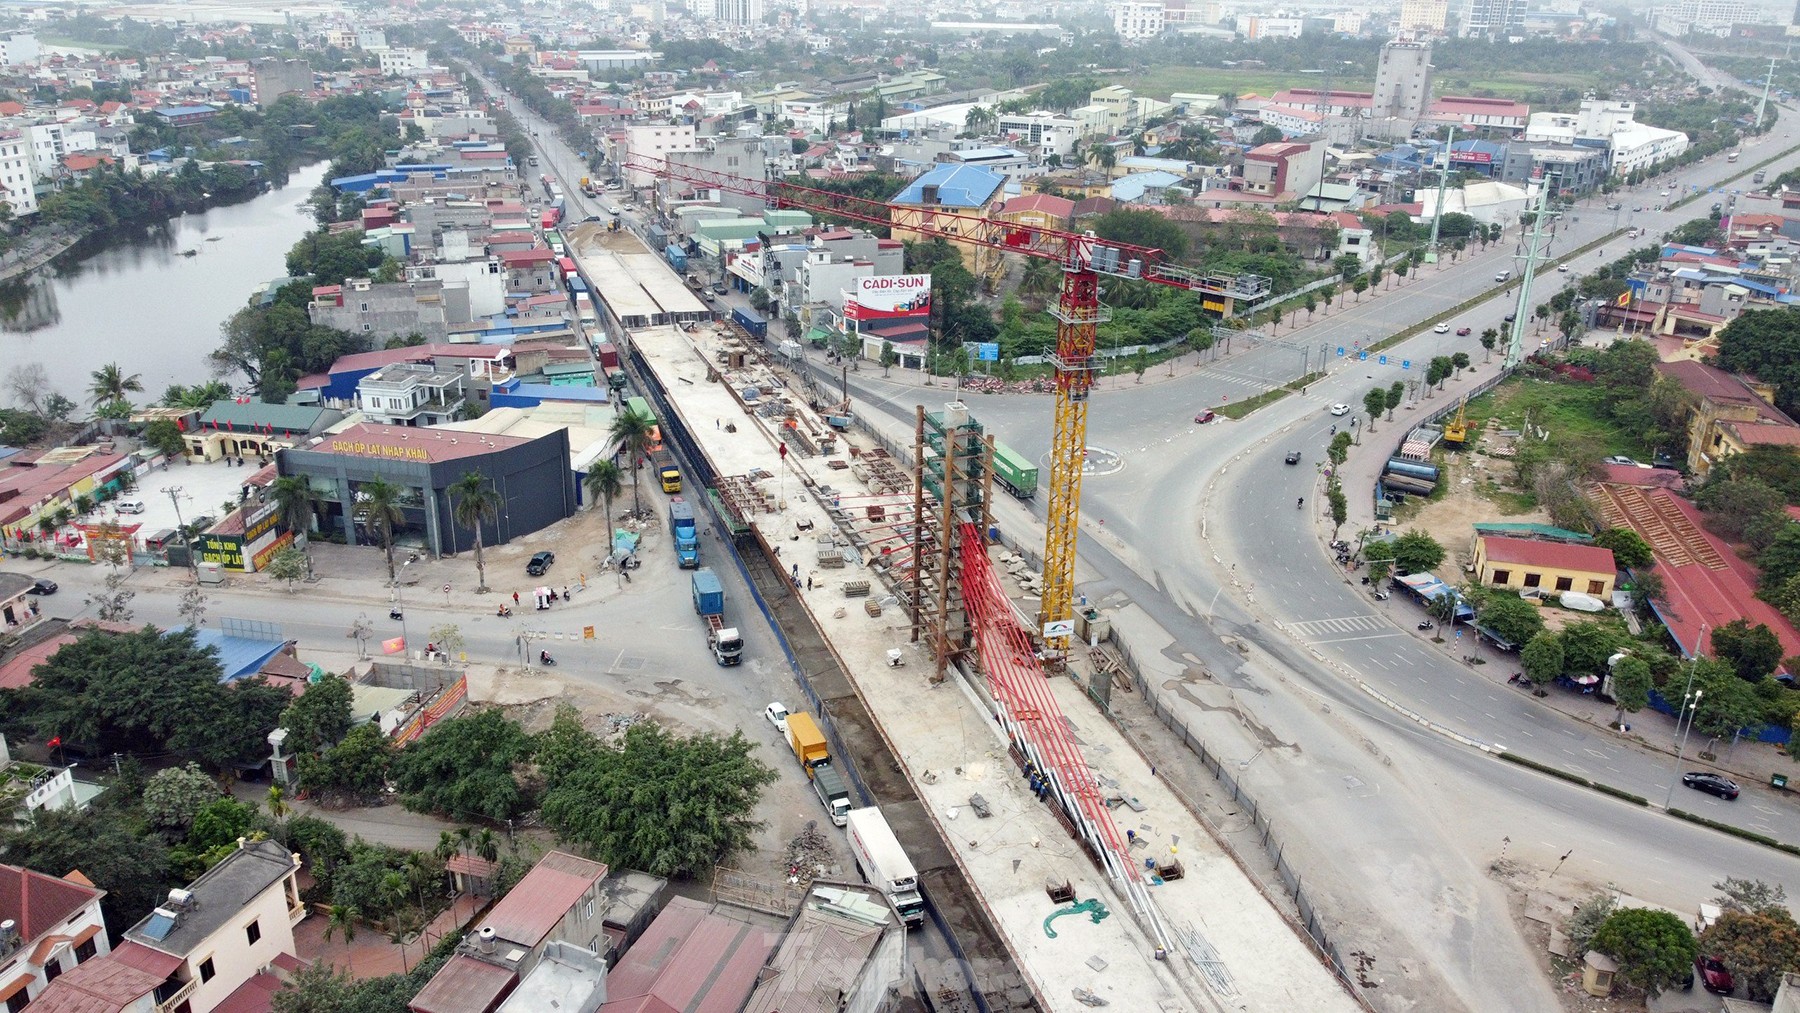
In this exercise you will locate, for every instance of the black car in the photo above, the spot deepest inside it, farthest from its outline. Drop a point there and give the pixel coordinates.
(1293, 457)
(540, 563)
(1712, 784)
(42, 586)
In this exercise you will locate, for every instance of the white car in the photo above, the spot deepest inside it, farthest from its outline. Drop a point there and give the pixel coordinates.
(614, 209)
(1340, 409)
(777, 715)
(1562, 268)
(1441, 329)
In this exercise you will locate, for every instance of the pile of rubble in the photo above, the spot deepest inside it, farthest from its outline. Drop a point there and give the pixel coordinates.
(808, 856)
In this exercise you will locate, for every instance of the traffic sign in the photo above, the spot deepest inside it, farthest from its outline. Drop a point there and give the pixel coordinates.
(1340, 351)
(1383, 360)
(1362, 356)
(987, 351)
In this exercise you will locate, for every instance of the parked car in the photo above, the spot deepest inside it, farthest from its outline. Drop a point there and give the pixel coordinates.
(540, 563)
(43, 585)
(1712, 976)
(1712, 784)
(777, 715)
(1340, 409)
(1293, 457)
(1613, 207)
(1441, 329)
(1463, 332)
(591, 218)
(1562, 269)
(1206, 416)
(1626, 461)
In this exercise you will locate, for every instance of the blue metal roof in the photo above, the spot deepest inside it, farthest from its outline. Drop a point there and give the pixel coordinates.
(958, 186)
(1129, 188)
(239, 657)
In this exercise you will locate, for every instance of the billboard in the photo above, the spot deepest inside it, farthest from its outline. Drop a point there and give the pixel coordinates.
(1480, 157)
(887, 297)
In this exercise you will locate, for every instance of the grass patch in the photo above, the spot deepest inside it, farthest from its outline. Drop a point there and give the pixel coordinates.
(1239, 409)
(1569, 411)
(1160, 82)
(1508, 502)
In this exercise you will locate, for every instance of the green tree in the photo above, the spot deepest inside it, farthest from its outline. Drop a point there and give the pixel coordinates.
(473, 502)
(165, 435)
(1766, 344)
(1728, 705)
(132, 868)
(1396, 393)
(110, 384)
(1542, 658)
(1142, 228)
(1654, 949)
(293, 499)
(632, 432)
(463, 767)
(378, 506)
(1359, 286)
(1489, 338)
(1758, 946)
(1749, 894)
(603, 483)
(1731, 505)
(1374, 403)
(1631, 684)
(173, 796)
(1510, 617)
(319, 717)
(670, 806)
(1628, 547)
(1753, 652)
(1267, 135)
(287, 564)
(1416, 552)
(353, 772)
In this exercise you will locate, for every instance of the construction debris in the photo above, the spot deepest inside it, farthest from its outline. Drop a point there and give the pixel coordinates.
(808, 855)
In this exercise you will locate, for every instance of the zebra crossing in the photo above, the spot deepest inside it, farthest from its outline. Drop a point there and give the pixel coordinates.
(1259, 383)
(1314, 628)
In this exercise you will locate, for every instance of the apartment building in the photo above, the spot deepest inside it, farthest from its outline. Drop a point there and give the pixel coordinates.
(18, 177)
(1137, 20)
(412, 394)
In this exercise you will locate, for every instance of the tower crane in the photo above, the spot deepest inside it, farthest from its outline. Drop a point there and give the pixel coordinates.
(1083, 258)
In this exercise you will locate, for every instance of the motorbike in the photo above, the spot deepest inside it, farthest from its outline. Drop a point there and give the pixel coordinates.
(396, 614)
(504, 612)
(1427, 625)
(1517, 679)
(546, 660)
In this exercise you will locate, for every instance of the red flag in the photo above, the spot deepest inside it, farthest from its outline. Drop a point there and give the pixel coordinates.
(783, 448)
(181, 424)
(53, 743)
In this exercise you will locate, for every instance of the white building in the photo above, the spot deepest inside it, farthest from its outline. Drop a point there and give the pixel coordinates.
(1643, 146)
(1136, 20)
(373, 40)
(1260, 26)
(17, 48)
(17, 176)
(1402, 82)
(732, 12)
(655, 140)
(1703, 17)
(55, 926)
(815, 117)
(402, 62)
(1041, 132)
(1632, 145)
(1493, 19)
(47, 143)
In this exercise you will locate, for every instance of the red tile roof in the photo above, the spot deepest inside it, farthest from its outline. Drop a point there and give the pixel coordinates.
(1043, 203)
(689, 959)
(537, 256)
(532, 908)
(101, 985)
(1716, 384)
(465, 985)
(1550, 555)
(256, 995)
(430, 446)
(37, 902)
(145, 959)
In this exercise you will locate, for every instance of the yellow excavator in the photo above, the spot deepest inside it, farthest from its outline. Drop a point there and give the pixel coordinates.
(1456, 431)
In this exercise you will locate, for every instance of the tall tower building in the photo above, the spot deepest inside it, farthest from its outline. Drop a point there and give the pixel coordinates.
(1402, 81)
(1492, 19)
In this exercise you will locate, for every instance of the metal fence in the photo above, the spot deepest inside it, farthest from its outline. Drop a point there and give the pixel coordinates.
(1292, 881)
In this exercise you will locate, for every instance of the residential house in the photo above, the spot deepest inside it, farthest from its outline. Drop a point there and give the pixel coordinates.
(949, 200)
(18, 177)
(692, 958)
(382, 311)
(48, 926)
(410, 394)
(1549, 567)
(557, 901)
(210, 946)
(1038, 210)
(1731, 416)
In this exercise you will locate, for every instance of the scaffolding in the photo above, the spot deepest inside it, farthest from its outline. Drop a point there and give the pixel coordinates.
(952, 484)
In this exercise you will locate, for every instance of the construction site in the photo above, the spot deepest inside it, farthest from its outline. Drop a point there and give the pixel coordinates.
(1068, 875)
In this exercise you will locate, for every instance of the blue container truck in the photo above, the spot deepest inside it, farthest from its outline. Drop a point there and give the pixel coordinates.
(682, 530)
(709, 601)
(751, 321)
(676, 257)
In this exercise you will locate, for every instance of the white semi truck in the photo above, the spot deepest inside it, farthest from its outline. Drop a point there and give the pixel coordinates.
(884, 863)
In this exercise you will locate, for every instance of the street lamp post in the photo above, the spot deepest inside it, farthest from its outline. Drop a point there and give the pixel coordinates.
(400, 607)
(1681, 747)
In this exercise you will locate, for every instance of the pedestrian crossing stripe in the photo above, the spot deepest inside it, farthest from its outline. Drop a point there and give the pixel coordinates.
(1343, 624)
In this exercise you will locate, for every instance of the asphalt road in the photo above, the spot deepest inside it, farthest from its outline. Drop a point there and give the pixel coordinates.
(1396, 824)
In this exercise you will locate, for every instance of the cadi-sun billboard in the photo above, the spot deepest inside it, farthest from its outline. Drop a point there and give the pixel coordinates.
(885, 297)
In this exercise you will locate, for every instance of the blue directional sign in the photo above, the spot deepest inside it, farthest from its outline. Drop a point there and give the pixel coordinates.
(987, 351)
(1383, 360)
(1340, 351)
(1362, 356)
(1405, 363)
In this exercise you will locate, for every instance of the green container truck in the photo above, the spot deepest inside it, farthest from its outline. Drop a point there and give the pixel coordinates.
(1017, 474)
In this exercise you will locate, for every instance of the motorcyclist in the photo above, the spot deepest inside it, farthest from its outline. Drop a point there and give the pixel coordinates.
(544, 657)
(1299, 502)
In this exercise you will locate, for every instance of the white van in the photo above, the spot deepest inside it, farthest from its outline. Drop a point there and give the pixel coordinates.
(1503, 276)
(129, 505)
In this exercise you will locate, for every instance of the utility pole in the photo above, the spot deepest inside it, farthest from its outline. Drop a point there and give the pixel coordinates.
(187, 537)
(1534, 250)
(1764, 103)
(1443, 184)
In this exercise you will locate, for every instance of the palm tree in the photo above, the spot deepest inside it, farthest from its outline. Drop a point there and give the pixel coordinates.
(473, 500)
(487, 846)
(378, 503)
(603, 483)
(293, 499)
(111, 384)
(632, 431)
(1038, 278)
(1104, 156)
(342, 920)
